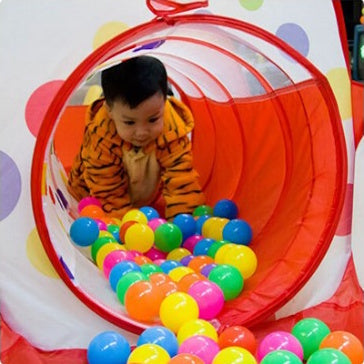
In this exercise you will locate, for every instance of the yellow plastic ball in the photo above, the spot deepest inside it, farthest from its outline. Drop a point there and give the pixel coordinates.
(243, 258)
(149, 354)
(176, 274)
(196, 327)
(139, 237)
(177, 254)
(105, 233)
(177, 309)
(221, 252)
(134, 215)
(213, 229)
(234, 354)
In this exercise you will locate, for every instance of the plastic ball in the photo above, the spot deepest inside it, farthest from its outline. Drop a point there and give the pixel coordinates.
(142, 259)
(179, 272)
(226, 208)
(168, 265)
(99, 242)
(186, 223)
(200, 222)
(346, 342)
(310, 332)
(188, 280)
(209, 297)
(176, 309)
(196, 327)
(234, 354)
(104, 251)
(126, 281)
(149, 212)
(328, 356)
(150, 268)
(238, 336)
(164, 283)
(139, 237)
(281, 356)
(185, 260)
(89, 200)
(106, 234)
(215, 246)
(154, 223)
(134, 215)
(197, 263)
(205, 271)
(93, 211)
(108, 220)
(161, 336)
(202, 346)
(229, 279)
(222, 251)
(279, 340)
(108, 347)
(243, 258)
(120, 269)
(178, 254)
(202, 247)
(142, 301)
(114, 230)
(202, 210)
(214, 227)
(149, 354)
(155, 254)
(191, 242)
(113, 258)
(101, 224)
(185, 358)
(238, 231)
(168, 236)
(84, 231)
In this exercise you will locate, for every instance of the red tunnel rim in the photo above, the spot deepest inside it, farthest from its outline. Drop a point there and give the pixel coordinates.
(94, 59)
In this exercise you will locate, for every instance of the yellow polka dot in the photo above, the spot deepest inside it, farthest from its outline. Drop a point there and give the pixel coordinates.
(108, 31)
(93, 93)
(38, 257)
(340, 84)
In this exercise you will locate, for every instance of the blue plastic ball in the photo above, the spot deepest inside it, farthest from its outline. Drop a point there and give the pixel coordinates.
(149, 212)
(120, 269)
(108, 347)
(186, 223)
(237, 231)
(168, 265)
(199, 222)
(202, 247)
(84, 231)
(226, 208)
(161, 336)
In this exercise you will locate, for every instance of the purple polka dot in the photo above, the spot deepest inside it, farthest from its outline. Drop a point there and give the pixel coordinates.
(10, 185)
(151, 45)
(295, 36)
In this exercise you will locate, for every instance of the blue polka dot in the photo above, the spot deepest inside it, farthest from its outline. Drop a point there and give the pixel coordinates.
(295, 36)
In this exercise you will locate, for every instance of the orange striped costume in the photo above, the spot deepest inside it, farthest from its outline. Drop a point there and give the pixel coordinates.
(122, 178)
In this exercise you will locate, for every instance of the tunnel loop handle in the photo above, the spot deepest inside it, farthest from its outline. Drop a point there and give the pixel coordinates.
(163, 8)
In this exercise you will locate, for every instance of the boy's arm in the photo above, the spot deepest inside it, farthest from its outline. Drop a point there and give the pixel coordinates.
(181, 188)
(104, 174)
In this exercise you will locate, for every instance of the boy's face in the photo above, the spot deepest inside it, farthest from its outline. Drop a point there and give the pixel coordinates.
(141, 125)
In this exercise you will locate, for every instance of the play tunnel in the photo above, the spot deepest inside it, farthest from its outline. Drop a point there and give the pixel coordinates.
(268, 135)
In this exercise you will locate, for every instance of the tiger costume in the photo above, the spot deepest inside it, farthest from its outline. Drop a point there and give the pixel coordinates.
(122, 177)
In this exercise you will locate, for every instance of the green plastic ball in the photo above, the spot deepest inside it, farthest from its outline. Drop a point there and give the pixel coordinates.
(167, 237)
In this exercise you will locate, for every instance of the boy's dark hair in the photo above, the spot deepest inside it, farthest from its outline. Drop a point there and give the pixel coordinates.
(134, 80)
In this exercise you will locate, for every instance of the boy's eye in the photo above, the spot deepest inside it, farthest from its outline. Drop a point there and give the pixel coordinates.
(129, 122)
(153, 120)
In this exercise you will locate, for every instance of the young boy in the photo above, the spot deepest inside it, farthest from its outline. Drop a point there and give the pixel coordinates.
(136, 144)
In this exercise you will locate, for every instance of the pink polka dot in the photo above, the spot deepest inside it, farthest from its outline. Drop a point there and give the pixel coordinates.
(344, 227)
(38, 104)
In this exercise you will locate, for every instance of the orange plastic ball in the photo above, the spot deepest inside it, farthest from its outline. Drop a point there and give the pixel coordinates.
(185, 358)
(238, 336)
(188, 280)
(93, 211)
(197, 263)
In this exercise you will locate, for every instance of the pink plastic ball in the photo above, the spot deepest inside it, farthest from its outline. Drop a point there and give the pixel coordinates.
(88, 201)
(201, 346)
(155, 254)
(191, 242)
(101, 224)
(279, 340)
(209, 298)
(114, 257)
(154, 223)
(159, 261)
